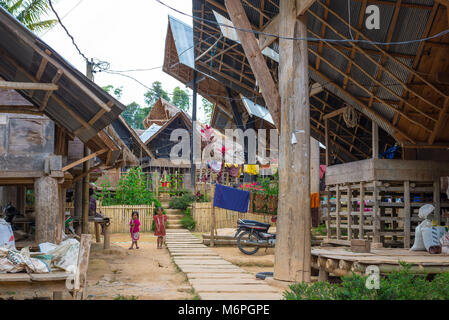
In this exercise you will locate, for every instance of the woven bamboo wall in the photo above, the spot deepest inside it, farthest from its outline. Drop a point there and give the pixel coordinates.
(121, 216)
(201, 213)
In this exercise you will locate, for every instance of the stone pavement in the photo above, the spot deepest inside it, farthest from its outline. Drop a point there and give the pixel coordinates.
(212, 277)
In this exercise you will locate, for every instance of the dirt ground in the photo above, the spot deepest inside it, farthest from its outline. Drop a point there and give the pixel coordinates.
(143, 274)
(122, 274)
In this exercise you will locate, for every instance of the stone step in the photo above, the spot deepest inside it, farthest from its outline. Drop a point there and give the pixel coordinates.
(175, 226)
(175, 216)
(173, 211)
(174, 221)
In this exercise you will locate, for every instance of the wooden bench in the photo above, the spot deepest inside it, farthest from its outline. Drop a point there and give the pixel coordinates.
(106, 222)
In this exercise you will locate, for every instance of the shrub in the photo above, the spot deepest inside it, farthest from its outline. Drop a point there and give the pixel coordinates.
(182, 202)
(131, 190)
(187, 220)
(398, 285)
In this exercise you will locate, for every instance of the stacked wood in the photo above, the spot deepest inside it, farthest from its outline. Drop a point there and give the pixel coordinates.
(361, 246)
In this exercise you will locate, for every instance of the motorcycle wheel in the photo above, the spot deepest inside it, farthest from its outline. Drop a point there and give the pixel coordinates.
(247, 236)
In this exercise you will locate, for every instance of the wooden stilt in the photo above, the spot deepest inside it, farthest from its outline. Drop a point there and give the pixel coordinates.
(97, 232)
(407, 214)
(47, 209)
(293, 242)
(86, 199)
(362, 211)
(436, 200)
(349, 210)
(337, 211)
(376, 212)
(107, 236)
(78, 204)
(212, 227)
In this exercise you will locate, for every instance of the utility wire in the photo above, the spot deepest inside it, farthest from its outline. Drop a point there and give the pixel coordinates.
(67, 31)
(63, 17)
(440, 34)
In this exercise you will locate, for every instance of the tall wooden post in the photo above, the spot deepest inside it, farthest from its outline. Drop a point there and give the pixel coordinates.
(78, 204)
(293, 243)
(375, 129)
(436, 200)
(86, 180)
(407, 214)
(314, 165)
(193, 135)
(47, 209)
(326, 138)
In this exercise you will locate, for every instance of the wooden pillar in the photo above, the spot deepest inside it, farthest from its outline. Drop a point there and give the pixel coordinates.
(193, 134)
(376, 212)
(293, 242)
(362, 211)
(107, 236)
(21, 199)
(326, 139)
(338, 211)
(97, 232)
(212, 226)
(47, 209)
(314, 165)
(60, 227)
(436, 200)
(86, 181)
(78, 203)
(407, 214)
(375, 134)
(349, 210)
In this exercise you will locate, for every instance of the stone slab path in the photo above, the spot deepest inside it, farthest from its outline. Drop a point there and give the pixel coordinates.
(212, 277)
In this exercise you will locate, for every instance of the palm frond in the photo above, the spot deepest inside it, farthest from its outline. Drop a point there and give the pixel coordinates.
(42, 25)
(32, 12)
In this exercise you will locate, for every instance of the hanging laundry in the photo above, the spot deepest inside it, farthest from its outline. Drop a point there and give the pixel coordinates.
(315, 200)
(251, 169)
(215, 165)
(231, 199)
(234, 170)
(322, 170)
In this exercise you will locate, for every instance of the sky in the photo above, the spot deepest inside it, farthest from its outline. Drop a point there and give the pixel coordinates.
(128, 34)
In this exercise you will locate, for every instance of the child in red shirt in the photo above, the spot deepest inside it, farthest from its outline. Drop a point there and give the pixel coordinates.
(134, 228)
(160, 220)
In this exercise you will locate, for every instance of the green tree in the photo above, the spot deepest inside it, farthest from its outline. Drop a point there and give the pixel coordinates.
(116, 91)
(208, 108)
(156, 92)
(30, 13)
(181, 99)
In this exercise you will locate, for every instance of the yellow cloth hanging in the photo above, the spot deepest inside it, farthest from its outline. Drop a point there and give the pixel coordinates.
(315, 200)
(251, 169)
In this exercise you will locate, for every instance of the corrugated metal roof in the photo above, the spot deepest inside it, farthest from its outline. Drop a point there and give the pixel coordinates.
(151, 131)
(257, 110)
(183, 35)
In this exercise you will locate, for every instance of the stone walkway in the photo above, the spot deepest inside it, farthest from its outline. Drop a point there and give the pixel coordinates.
(212, 277)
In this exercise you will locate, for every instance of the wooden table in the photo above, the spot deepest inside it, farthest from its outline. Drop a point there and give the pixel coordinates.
(55, 281)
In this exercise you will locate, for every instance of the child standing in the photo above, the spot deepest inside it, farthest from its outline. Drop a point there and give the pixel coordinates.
(134, 228)
(160, 220)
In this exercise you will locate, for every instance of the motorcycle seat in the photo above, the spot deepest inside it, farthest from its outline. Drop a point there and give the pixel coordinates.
(256, 223)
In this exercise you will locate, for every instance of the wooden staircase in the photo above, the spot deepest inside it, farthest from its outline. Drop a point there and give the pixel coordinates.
(174, 216)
